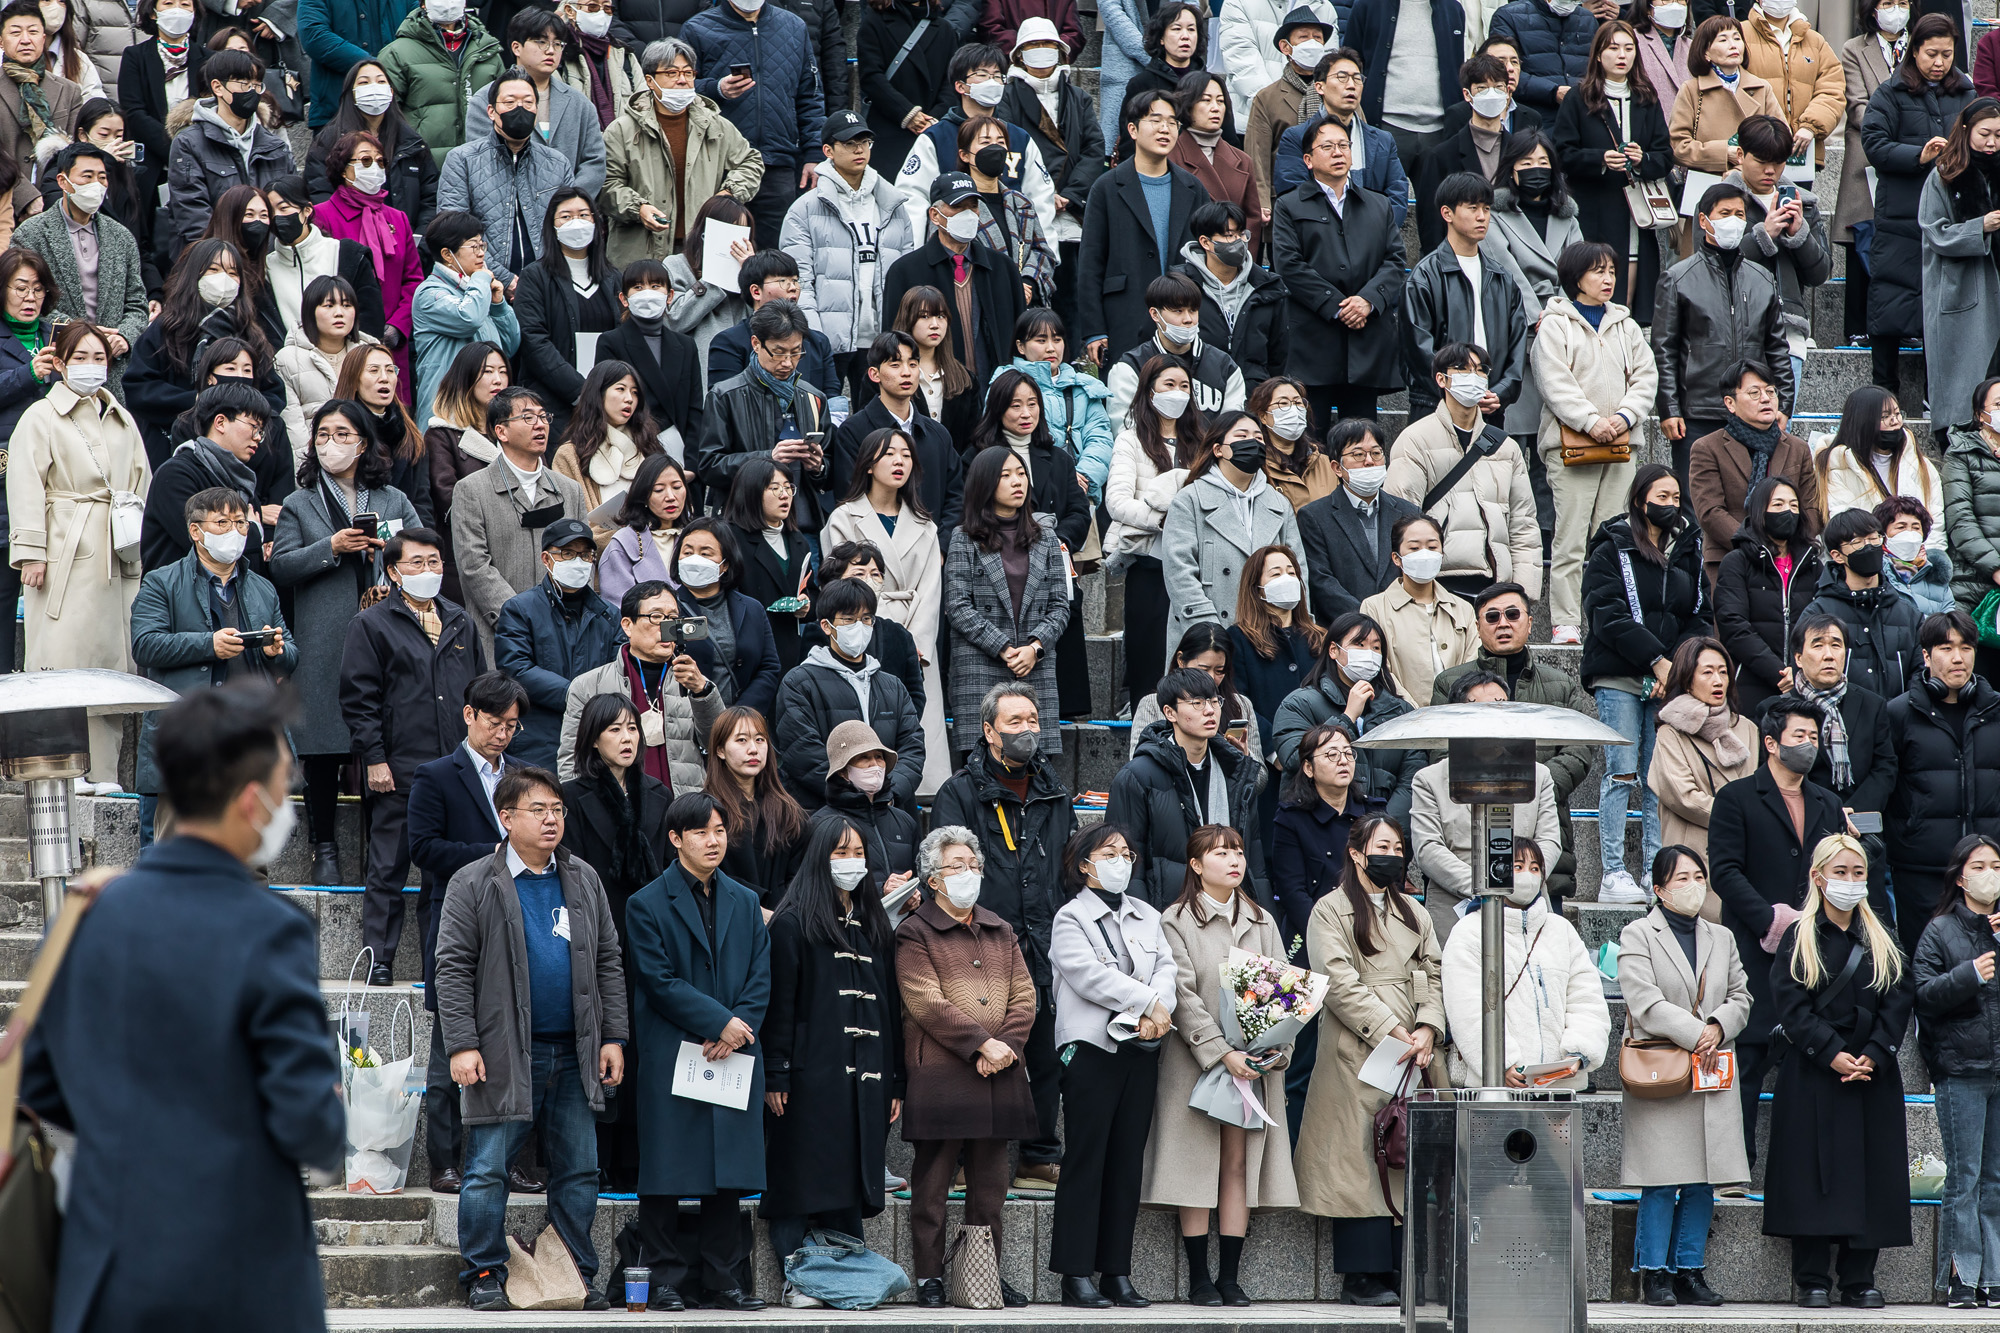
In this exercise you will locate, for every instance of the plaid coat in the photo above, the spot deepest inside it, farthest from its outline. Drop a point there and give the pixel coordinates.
(1024, 242)
(981, 614)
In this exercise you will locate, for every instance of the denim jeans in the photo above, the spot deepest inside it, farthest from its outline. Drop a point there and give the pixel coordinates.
(569, 1141)
(1634, 720)
(1968, 1112)
(789, 1233)
(1673, 1227)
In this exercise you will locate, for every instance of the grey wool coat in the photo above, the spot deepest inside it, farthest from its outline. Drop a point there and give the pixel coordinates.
(326, 592)
(981, 613)
(121, 288)
(1697, 1137)
(1205, 540)
(1529, 258)
(496, 556)
(1961, 300)
(482, 981)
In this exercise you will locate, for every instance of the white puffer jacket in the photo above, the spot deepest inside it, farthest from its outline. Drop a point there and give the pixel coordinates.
(1555, 1001)
(1247, 30)
(309, 376)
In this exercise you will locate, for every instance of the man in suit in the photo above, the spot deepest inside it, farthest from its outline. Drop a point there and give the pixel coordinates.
(189, 948)
(1376, 165)
(893, 367)
(1135, 225)
(498, 513)
(1346, 535)
(24, 40)
(87, 243)
(968, 273)
(1761, 835)
(453, 822)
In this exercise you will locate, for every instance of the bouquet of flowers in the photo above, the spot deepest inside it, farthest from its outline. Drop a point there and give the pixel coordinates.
(1267, 1003)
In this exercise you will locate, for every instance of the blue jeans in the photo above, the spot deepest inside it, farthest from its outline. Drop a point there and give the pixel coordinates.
(569, 1141)
(1625, 774)
(1673, 1227)
(1969, 1119)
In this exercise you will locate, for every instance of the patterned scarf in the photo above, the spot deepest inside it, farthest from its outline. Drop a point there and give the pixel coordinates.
(1761, 444)
(1309, 108)
(41, 120)
(173, 59)
(782, 390)
(595, 49)
(1832, 729)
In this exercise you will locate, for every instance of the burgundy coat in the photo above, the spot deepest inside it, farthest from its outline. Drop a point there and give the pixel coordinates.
(962, 984)
(1000, 20)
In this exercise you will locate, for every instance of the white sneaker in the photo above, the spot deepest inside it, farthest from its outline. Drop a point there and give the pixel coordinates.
(1566, 634)
(798, 1300)
(1619, 887)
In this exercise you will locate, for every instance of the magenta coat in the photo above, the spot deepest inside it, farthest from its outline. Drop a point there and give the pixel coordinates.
(392, 244)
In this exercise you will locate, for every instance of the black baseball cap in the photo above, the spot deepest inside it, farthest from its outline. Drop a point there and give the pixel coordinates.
(954, 188)
(844, 125)
(564, 531)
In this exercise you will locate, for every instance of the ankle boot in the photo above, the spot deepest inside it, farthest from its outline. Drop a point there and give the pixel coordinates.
(1657, 1287)
(326, 864)
(1691, 1288)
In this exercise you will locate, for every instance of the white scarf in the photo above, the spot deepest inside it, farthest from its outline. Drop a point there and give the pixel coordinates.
(471, 443)
(617, 459)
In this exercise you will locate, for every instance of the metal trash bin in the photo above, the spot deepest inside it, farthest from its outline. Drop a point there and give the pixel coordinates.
(1493, 1206)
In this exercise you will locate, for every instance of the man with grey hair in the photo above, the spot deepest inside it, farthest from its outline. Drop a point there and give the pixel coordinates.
(1008, 794)
(665, 154)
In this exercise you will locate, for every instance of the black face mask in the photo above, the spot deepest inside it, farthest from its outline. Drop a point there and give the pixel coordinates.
(244, 105)
(1889, 441)
(1019, 747)
(1247, 455)
(1867, 562)
(1388, 871)
(991, 160)
(1535, 181)
(1664, 517)
(288, 227)
(518, 123)
(256, 235)
(1781, 524)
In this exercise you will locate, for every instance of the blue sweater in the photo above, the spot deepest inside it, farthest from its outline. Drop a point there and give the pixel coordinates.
(549, 999)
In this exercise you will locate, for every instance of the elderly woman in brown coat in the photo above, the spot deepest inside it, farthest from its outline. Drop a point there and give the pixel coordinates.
(1379, 950)
(1193, 1162)
(1683, 984)
(968, 1003)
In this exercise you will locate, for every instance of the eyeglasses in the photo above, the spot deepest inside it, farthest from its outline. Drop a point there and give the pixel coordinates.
(1494, 615)
(781, 488)
(784, 355)
(242, 86)
(1346, 78)
(657, 617)
(1126, 857)
(1334, 753)
(220, 525)
(546, 43)
(957, 867)
(418, 564)
(1363, 458)
(532, 416)
(26, 289)
(544, 813)
(1157, 121)
(256, 434)
(506, 726)
(336, 437)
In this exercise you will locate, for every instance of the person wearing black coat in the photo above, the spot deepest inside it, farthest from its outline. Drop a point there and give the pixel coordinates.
(1671, 596)
(729, 354)
(764, 578)
(1758, 869)
(997, 301)
(1440, 308)
(754, 670)
(1346, 562)
(1121, 253)
(553, 310)
(826, 689)
(745, 420)
(1259, 337)
(1838, 1180)
(891, 645)
(1161, 795)
(19, 390)
(142, 98)
(1555, 49)
(1370, 28)
(1755, 609)
(157, 393)
(1881, 623)
(921, 81)
(1074, 156)
(669, 371)
(548, 636)
(889, 833)
(1582, 137)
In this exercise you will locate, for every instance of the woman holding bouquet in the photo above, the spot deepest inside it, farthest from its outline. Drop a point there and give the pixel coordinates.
(1193, 1162)
(1379, 951)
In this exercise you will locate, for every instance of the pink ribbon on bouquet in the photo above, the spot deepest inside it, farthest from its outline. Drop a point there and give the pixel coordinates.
(1250, 1103)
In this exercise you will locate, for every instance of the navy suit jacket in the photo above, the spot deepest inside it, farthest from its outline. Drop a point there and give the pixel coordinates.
(186, 1043)
(451, 825)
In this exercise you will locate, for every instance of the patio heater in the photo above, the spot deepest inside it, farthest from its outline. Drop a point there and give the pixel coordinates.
(1493, 1193)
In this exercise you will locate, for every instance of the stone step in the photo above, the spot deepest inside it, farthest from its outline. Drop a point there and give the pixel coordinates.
(389, 1276)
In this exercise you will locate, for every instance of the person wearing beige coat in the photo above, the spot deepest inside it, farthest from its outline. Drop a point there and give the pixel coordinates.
(309, 376)
(640, 173)
(1804, 72)
(69, 455)
(1707, 112)
(1696, 751)
(1490, 528)
(1422, 638)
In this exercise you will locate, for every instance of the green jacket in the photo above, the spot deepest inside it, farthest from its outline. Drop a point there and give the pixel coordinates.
(432, 85)
(638, 169)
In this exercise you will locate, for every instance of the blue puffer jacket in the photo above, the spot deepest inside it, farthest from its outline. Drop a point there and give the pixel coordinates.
(1555, 51)
(1089, 444)
(1381, 171)
(783, 115)
(544, 648)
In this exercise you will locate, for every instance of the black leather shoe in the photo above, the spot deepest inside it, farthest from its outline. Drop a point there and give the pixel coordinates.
(1010, 1298)
(1204, 1293)
(1121, 1291)
(447, 1181)
(520, 1182)
(1862, 1298)
(593, 1299)
(735, 1299)
(379, 975)
(664, 1297)
(326, 864)
(1691, 1288)
(1367, 1289)
(1656, 1287)
(1082, 1293)
(1814, 1298)
(930, 1293)
(1231, 1293)
(487, 1292)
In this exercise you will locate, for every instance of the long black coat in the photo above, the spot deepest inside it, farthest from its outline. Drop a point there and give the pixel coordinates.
(1755, 612)
(1839, 1161)
(1898, 124)
(996, 295)
(672, 381)
(1346, 569)
(1325, 258)
(403, 697)
(922, 81)
(1756, 861)
(764, 870)
(765, 579)
(1153, 800)
(1960, 1029)
(1019, 881)
(833, 1043)
(1120, 255)
(1870, 754)
(1944, 789)
(551, 314)
(591, 832)
(227, 973)
(1582, 139)
(142, 99)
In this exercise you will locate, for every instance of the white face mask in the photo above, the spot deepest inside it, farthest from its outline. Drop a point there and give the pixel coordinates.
(647, 303)
(1178, 335)
(218, 289)
(962, 226)
(1041, 59)
(1527, 888)
(1983, 887)
(1113, 874)
(1489, 102)
(1290, 421)
(1283, 592)
(963, 889)
(225, 548)
(577, 233)
(1845, 894)
(444, 11)
(425, 586)
(1467, 389)
(174, 22)
(572, 573)
(88, 198)
(86, 379)
(748, 6)
(370, 179)
(1363, 663)
(1670, 17)
(1562, 9)
(867, 780)
(854, 639)
(1905, 545)
(1422, 566)
(1170, 403)
(271, 839)
(698, 571)
(373, 98)
(1307, 55)
(986, 92)
(1366, 481)
(1893, 20)
(1781, 10)
(593, 23)
(848, 871)
(1728, 232)
(675, 100)
(1685, 897)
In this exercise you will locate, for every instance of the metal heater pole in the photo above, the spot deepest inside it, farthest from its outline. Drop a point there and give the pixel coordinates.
(49, 842)
(1492, 955)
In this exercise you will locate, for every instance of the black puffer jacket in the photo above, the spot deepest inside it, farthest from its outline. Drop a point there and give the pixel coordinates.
(1153, 800)
(889, 834)
(1755, 611)
(1673, 604)
(1945, 789)
(1881, 625)
(1960, 1032)
(1383, 776)
(1023, 859)
(1895, 129)
(814, 698)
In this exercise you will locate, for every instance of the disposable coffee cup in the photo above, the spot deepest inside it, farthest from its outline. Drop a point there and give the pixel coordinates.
(638, 1287)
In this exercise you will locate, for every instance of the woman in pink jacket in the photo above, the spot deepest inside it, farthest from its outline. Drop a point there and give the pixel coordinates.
(360, 211)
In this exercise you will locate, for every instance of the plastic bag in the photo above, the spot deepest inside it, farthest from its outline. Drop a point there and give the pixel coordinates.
(382, 1111)
(1927, 1174)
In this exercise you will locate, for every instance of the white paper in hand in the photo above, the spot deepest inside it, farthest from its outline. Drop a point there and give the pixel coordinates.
(725, 1082)
(1384, 1067)
(718, 266)
(586, 352)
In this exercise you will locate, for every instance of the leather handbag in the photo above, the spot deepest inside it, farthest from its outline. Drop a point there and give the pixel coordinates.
(972, 1268)
(1656, 1069)
(1581, 450)
(1392, 1139)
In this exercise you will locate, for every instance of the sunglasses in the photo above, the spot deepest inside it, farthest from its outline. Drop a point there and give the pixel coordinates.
(1510, 615)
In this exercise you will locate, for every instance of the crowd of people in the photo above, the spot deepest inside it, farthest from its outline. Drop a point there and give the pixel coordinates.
(670, 516)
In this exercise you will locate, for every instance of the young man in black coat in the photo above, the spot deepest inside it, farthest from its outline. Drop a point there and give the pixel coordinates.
(1242, 302)
(951, 260)
(1879, 621)
(1347, 534)
(668, 363)
(891, 644)
(1440, 305)
(839, 682)
(1761, 835)
(1483, 86)
(233, 418)
(893, 367)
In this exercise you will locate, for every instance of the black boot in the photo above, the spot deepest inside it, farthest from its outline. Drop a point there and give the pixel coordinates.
(1083, 1293)
(1691, 1288)
(1121, 1291)
(1657, 1286)
(326, 864)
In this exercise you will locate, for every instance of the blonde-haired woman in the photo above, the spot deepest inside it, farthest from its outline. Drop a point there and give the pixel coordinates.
(73, 457)
(1837, 1180)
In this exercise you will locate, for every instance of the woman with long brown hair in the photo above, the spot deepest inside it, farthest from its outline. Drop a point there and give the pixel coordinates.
(610, 433)
(1294, 463)
(945, 389)
(1611, 131)
(369, 376)
(1272, 646)
(766, 826)
(1148, 467)
(1958, 212)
